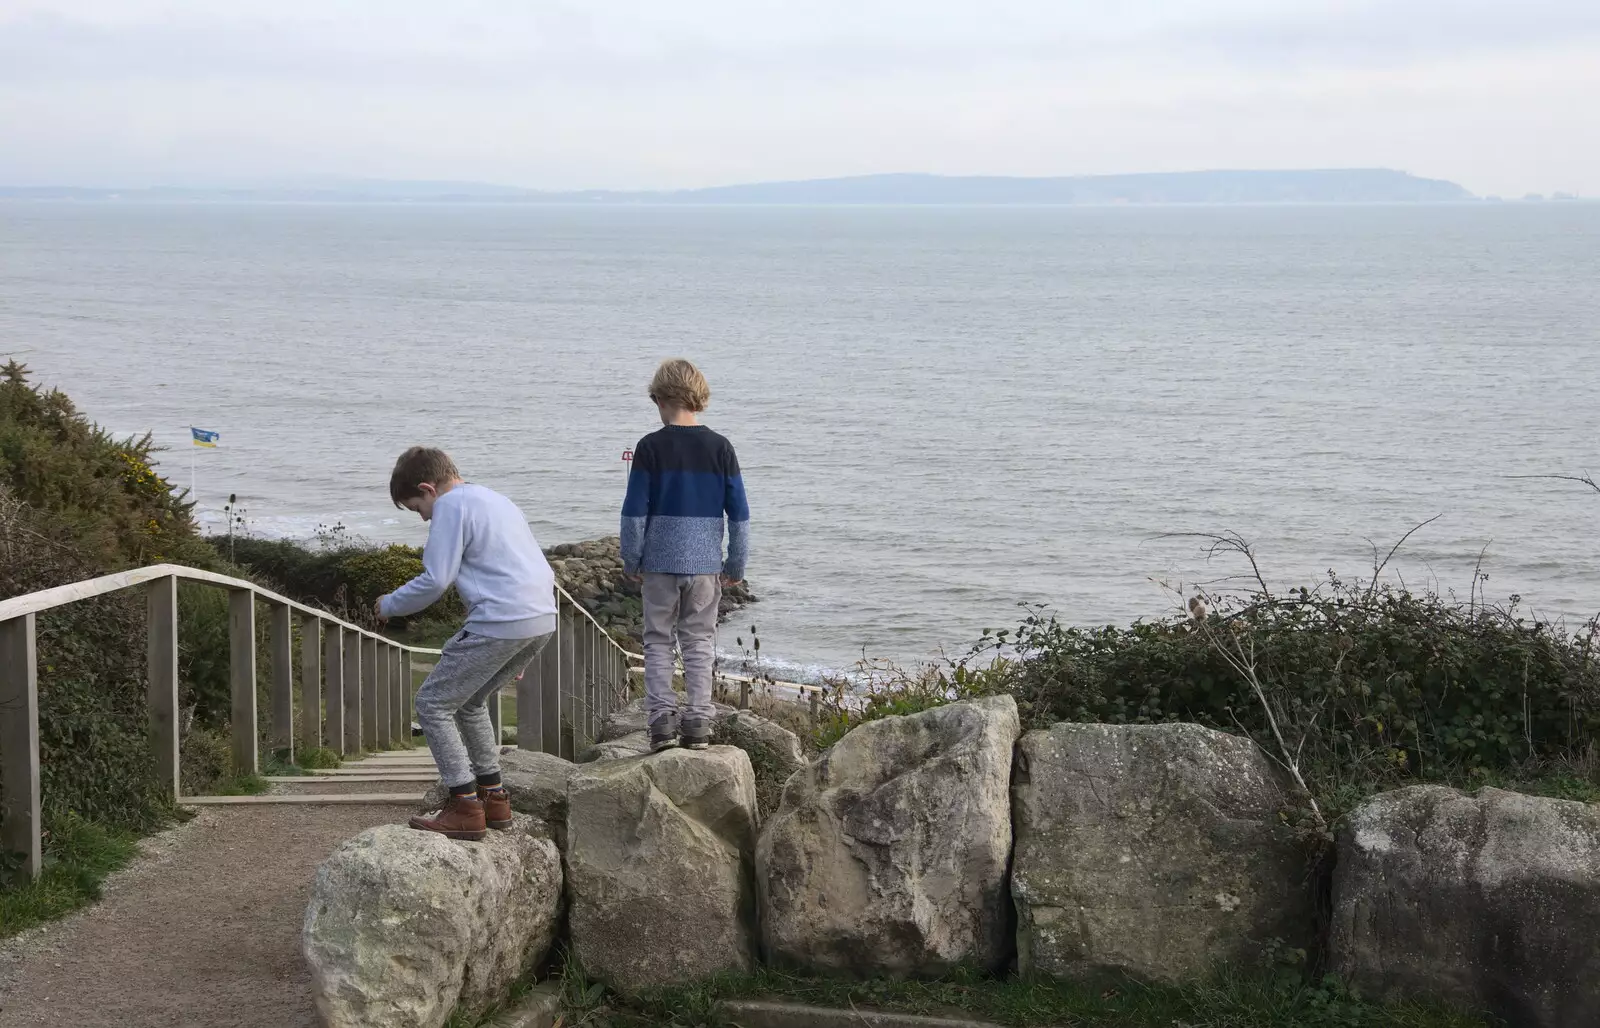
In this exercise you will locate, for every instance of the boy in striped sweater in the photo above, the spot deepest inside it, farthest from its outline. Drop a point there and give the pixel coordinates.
(685, 484)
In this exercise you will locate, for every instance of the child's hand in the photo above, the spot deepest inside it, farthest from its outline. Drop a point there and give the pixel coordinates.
(377, 611)
(729, 583)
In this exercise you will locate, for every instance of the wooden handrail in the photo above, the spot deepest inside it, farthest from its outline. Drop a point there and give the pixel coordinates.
(61, 595)
(561, 698)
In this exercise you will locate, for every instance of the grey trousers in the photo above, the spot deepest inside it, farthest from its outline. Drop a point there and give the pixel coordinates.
(683, 607)
(451, 703)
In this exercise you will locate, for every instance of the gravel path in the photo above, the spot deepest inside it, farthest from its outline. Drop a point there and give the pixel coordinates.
(202, 931)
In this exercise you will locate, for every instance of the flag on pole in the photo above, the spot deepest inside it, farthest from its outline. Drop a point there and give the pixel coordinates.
(204, 438)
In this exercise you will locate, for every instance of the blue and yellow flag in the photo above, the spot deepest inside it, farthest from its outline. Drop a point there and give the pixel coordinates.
(204, 438)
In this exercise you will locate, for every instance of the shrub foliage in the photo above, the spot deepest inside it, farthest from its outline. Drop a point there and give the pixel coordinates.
(1360, 686)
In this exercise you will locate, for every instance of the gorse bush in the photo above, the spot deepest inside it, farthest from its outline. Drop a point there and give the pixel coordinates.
(105, 500)
(77, 503)
(95, 758)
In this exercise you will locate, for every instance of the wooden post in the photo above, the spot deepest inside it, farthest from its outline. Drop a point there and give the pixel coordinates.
(242, 674)
(530, 729)
(282, 645)
(816, 707)
(408, 692)
(744, 695)
(383, 695)
(21, 817)
(582, 681)
(398, 732)
(549, 740)
(162, 680)
(592, 680)
(333, 660)
(352, 692)
(310, 682)
(568, 700)
(369, 692)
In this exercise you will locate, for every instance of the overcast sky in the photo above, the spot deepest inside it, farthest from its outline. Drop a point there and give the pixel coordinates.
(1500, 96)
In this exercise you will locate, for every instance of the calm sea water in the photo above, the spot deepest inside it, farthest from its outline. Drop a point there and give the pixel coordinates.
(940, 411)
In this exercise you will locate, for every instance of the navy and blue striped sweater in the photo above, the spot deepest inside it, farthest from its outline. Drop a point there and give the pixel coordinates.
(685, 482)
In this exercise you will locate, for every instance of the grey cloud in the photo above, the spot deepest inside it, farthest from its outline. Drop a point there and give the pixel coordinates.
(641, 93)
(548, 43)
(1377, 33)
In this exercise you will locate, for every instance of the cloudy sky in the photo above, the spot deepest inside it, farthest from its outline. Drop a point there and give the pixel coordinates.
(1500, 95)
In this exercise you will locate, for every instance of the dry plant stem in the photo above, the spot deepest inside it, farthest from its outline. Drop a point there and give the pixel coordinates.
(1244, 664)
(1378, 566)
(1225, 543)
(1580, 479)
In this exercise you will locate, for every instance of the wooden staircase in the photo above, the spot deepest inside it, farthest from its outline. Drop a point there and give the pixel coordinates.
(408, 772)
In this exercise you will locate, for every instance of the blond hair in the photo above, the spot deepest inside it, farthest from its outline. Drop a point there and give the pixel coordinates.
(418, 465)
(680, 384)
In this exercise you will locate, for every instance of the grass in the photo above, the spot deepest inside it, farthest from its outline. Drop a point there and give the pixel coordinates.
(241, 785)
(425, 634)
(1229, 1000)
(317, 758)
(78, 856)
(501, 1012)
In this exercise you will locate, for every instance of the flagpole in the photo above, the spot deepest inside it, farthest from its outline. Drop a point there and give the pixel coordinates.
(193, 499)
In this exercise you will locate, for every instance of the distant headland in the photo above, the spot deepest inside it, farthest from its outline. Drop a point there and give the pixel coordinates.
(1359, 185)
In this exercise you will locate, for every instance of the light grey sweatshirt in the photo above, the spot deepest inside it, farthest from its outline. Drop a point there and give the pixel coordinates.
(480, 542)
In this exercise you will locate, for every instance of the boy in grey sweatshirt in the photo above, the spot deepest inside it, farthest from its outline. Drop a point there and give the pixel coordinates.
(479, 542)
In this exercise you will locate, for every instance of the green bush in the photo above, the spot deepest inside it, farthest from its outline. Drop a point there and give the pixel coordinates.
(346, 578)
(77, 503)
(1368, 687)
(369, 574)
(107, 502)
(206, 760)
(95, 757)
(317, 758)
(204, 655)
(1367, 683)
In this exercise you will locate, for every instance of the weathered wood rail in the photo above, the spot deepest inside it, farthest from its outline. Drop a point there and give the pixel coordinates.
(355, 686)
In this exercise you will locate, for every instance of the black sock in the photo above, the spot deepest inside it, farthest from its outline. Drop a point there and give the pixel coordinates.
(490, 780)
(470, 789)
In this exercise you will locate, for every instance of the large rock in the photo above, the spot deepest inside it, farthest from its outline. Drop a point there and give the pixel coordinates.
(1152, 850)
(537, 783)
(889, 853)
(1489, 901)
(775, 752)
(627, 721)
(635, 744)
(405, 926)
(632, 719)
(659, 867)
(766, 741)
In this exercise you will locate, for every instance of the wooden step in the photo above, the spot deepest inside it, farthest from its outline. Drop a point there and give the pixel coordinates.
(396, 776)
(363, 772)
(381, 764)
(408, 798)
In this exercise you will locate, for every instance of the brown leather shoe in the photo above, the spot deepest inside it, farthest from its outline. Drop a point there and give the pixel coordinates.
(461, 818)
(496, 807)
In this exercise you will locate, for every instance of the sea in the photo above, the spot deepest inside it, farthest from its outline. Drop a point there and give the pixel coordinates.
(942, 412)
